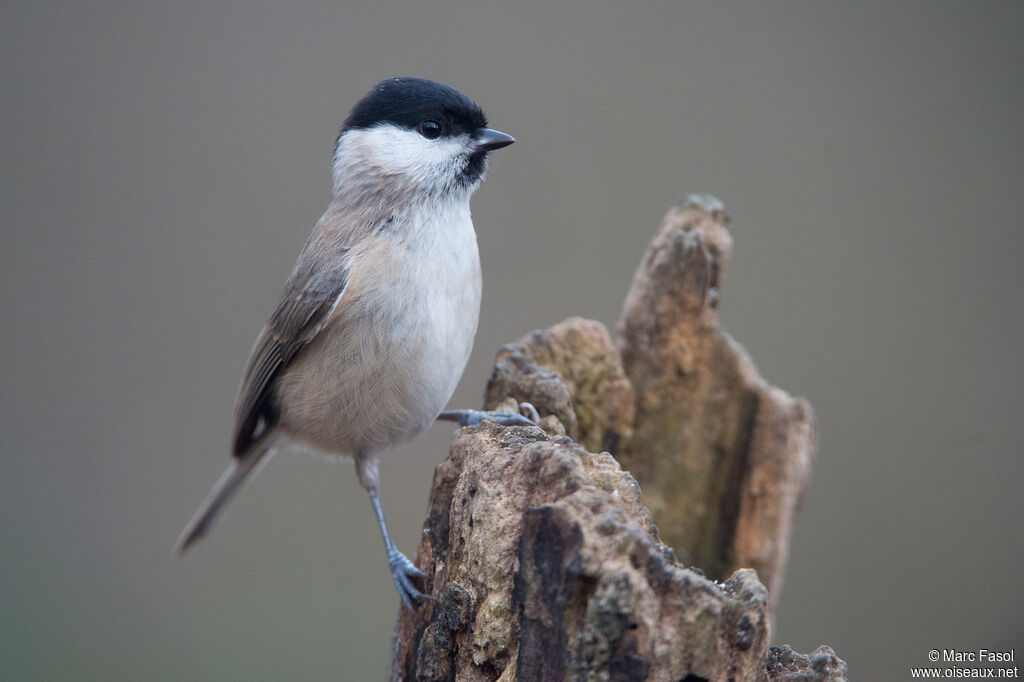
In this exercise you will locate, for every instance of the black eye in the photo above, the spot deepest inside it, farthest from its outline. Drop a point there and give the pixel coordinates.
(430, 129)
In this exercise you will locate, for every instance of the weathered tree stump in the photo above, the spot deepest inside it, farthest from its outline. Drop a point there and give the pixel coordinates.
(722, 456)
(542, 559)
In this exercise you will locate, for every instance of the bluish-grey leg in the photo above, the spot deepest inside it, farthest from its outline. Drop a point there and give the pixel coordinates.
(402, 570)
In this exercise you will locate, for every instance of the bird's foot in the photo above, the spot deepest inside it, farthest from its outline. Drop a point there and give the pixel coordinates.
(474, 417)
(402, 572)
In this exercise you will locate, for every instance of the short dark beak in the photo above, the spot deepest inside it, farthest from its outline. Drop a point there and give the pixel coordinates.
(489, 140)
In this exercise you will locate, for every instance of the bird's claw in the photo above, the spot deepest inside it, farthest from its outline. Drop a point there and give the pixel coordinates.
(402, 573)
(474, 417)
(531, 412)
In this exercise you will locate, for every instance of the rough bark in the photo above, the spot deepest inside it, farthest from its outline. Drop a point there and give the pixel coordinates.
(542, 559)
(573, 375)
(544, 565)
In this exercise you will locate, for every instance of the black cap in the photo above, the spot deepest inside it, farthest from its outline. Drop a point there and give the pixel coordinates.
(408, 102)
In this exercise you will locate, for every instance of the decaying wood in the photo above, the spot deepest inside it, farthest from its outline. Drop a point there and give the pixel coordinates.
(723, 457)
(573, 373)
(542, 559)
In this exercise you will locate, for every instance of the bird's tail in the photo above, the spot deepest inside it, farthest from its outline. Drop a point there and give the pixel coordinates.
(223, 490)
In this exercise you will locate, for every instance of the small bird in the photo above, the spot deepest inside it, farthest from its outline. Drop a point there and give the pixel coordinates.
(378, 316)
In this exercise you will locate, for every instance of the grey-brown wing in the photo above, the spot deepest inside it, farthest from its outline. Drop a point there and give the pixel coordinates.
(305, 307)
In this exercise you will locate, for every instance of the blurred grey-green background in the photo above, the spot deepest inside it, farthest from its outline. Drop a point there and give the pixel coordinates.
(163, 163)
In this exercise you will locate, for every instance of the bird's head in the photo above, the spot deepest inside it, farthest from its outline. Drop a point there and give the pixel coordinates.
(412, 135)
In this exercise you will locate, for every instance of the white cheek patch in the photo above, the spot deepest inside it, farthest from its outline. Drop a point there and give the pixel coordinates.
(406, 153)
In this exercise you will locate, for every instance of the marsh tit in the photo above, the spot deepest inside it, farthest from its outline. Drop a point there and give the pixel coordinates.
(377, 319)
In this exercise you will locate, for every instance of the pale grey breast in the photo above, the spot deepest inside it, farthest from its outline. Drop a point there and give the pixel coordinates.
(401, 338)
